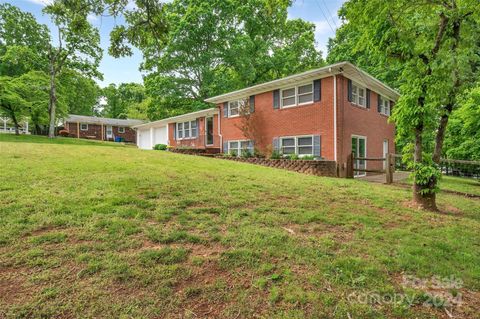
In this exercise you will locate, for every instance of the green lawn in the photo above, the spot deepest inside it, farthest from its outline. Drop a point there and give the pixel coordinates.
(92, 231)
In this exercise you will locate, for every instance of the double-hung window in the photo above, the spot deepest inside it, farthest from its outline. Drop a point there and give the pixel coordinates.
(236, 147)
(83, 127)
(236, 107)
(297, 95)
(187, 129)
(384, 106)
(359, 95)
(300, 145)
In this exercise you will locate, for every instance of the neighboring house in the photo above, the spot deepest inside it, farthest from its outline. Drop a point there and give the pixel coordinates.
(192, 130)
(328, 113)
(100, 128)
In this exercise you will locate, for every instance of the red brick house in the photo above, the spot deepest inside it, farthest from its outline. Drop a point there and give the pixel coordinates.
(193, 130)
(326, 113)
(100, 128)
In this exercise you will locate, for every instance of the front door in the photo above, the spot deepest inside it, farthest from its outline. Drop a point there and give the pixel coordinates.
(359, 150)
(109, 132)
(209, 130)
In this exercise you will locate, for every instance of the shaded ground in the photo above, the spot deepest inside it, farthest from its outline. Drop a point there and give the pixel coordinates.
(89, 231)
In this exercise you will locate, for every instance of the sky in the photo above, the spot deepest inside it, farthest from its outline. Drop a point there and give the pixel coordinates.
(323, 13)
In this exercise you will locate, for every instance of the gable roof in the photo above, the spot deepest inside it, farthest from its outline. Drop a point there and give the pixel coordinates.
(345, 68)
(101, 120)
(184, 117)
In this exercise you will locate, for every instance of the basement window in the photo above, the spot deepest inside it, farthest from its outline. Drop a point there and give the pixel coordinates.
(121, 129)
(83, 127)
(300, 145)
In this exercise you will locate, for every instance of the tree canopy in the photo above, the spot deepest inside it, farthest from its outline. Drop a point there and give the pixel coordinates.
(194, 49)
(434, 50)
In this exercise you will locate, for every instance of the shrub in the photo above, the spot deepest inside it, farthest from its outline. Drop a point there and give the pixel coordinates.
(233, 153)
(293, 157)
(160, 147)
(63, 133)
(275, 155)
(308, 157)
(246, 153)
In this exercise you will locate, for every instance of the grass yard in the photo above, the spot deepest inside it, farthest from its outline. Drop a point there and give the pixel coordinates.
(94, 231)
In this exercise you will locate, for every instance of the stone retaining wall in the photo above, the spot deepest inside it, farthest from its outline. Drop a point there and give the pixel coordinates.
(318, 168)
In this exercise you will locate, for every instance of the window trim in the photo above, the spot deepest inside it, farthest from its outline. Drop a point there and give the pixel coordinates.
(83, 129)
(239, 149)
(241, 103)
(356, 96)
(121, 129)
(183, 130)
(296, 137)
(366, 153)
(382, 109)
(297, 95)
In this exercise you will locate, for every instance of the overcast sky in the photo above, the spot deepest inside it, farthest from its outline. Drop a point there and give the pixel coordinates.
(321, 12)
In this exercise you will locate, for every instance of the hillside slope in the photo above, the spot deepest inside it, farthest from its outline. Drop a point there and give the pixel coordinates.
(90, 231)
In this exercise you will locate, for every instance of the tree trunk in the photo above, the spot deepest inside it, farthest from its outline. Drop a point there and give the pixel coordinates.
(423, 195)
(15, 123)
(53, 101)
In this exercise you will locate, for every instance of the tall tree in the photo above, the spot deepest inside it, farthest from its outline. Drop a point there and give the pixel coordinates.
(463, 133)
(123, 101)
(23, 96)
(77, 48)
(80, 92)
(437, 44)
(198, 48)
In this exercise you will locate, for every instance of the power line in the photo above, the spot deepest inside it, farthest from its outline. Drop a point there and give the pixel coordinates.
(329, 13)
(325, 16)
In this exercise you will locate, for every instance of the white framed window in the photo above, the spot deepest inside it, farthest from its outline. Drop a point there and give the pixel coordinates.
(236, 147)
(186, 130)
(297, 95)
(83, 127)
(300, 145)
(359, 94)
(384, 106)
(121, 129)
(235, 107)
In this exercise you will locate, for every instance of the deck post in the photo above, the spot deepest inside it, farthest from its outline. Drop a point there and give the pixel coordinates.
(350, 166)
(78, 129)
(389, 169)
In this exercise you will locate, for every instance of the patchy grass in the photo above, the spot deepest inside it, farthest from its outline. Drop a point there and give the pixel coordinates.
(462, 185)
(89, 231)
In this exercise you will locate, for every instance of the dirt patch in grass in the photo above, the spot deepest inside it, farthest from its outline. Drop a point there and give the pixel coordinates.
(338, 233)
(13, 285)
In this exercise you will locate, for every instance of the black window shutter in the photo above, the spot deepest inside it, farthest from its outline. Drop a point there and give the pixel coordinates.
(391, 106)
(349, 90)
(368, 98)
(379, 104)
(317, 90)
(225, 109)
(252, 103)
(276, 99)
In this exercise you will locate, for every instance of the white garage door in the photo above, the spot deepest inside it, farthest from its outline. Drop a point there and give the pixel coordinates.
(160, 135)
(144, 139)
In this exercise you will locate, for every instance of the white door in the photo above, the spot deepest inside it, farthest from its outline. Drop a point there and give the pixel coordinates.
(385, 152)
(109, 132)
(160, 135)
(144, 139)
(359, 150)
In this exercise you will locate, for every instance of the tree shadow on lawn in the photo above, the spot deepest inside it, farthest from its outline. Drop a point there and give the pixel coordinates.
(11, 138)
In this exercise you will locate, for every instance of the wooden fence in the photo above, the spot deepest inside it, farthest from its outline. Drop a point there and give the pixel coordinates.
(388, 170)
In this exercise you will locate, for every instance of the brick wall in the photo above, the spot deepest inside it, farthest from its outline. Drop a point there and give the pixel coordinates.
(311, 119)
(197, 142)
(94, 131)
(367, 122)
